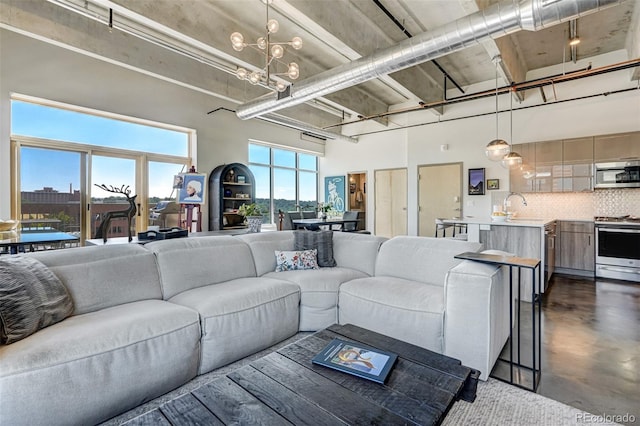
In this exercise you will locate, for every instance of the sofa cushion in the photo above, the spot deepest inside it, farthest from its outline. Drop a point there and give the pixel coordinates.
(91, 367)
(187, 263)
(99, 277)
(263, 245)
(31, 298)
(320, 240)
(318, 294)
(407, 310)
(356, 251)
(242, 316)
(296, 260)
(422, 259)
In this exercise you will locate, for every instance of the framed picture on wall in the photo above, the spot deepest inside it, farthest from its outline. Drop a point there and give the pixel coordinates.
(193, 188)
(334, 192)
(476, 181)
(493, 183)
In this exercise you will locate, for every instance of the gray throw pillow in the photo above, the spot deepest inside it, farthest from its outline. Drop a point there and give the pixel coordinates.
(320, 240)
(31, 298)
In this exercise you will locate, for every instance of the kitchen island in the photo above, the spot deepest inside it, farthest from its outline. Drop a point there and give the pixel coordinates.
(524, 237)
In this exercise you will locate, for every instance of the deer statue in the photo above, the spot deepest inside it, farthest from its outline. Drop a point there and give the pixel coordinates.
(129, 212)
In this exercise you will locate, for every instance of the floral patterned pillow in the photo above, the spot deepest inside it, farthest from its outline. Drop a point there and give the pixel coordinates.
(293, 260)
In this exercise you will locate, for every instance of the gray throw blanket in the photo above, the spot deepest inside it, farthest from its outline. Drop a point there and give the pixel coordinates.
(31, 298)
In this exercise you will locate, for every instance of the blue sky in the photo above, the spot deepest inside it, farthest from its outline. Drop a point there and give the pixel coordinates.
(57, 169)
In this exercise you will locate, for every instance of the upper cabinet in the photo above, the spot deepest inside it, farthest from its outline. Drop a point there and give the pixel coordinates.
(554, 166)
(522, 178)
(618, 147)
(548, 176)
(577, 164)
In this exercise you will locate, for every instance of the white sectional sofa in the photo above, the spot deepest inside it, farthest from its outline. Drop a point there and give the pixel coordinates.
(147, 319)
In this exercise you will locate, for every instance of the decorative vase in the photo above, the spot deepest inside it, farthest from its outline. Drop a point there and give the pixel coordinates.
(322, 215)
(254, 223)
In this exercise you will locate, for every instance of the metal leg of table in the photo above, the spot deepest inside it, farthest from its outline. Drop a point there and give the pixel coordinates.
(536, 334)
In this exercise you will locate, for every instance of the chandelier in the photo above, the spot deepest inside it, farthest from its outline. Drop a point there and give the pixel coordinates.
(273, 52)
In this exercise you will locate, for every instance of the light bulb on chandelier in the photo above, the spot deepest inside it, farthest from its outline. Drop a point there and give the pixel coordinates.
(273, 52)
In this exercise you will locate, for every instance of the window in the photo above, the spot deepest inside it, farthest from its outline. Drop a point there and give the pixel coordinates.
(285, 179)
(64, 152)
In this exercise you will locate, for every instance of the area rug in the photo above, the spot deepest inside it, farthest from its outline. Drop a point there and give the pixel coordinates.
(496, 403)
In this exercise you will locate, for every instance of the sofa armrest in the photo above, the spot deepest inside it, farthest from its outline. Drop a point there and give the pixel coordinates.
(476, 320)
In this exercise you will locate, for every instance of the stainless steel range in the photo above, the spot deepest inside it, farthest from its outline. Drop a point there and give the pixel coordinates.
(618, 247)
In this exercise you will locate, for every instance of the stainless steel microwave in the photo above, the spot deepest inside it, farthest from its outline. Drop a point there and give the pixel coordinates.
(624, 174)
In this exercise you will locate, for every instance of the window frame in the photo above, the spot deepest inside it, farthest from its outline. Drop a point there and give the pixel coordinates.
(272, 167)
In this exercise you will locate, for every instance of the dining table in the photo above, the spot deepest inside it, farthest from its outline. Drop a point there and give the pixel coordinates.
(16, 242)
(316, 223)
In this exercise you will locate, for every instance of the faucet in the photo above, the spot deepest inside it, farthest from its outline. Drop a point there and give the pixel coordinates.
(504, 203)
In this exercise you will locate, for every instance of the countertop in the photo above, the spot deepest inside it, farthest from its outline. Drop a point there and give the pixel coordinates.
(517, 221)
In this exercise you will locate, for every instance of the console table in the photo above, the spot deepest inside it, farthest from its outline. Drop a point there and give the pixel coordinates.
(517, 365)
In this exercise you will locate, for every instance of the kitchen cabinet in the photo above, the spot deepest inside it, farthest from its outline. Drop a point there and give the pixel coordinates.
(618, 147)
(523, 241)
(577, 164)
(576, 248)
(554, 166)
(548, 166)
(522, 179)
(230, 186)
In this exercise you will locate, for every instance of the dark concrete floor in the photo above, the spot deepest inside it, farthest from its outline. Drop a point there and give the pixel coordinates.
(591, 345)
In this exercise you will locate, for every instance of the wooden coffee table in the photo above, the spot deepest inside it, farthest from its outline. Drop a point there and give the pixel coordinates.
(284, 387)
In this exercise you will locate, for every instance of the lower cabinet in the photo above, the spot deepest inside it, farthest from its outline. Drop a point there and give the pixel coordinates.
(576, 246)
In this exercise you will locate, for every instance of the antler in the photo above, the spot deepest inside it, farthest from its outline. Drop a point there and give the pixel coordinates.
(122, 190)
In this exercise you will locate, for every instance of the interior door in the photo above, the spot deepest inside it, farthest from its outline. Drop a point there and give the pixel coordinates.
(391, 202)
(439, 195)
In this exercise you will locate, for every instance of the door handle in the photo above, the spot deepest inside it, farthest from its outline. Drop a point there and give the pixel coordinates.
(139, 212)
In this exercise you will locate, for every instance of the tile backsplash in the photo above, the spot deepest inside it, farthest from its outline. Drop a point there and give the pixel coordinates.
(575, 205)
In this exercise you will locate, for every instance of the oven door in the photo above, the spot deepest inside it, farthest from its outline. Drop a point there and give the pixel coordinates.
(618, 246)
(618, 175)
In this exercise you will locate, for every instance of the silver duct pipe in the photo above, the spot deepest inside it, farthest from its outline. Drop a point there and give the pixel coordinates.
(304, 127)
(496, 21)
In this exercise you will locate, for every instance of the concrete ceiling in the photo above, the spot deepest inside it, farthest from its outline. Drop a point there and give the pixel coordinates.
(196, 50)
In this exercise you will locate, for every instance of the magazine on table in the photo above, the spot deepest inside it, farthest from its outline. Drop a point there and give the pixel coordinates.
(357, 359)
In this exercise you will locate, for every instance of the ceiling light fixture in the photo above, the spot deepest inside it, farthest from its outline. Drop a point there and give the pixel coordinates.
(273, 52)
(512, 160)
(497, 148)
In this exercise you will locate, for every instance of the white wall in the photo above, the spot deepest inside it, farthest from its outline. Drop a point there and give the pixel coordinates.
(467, 137)
(373, 152)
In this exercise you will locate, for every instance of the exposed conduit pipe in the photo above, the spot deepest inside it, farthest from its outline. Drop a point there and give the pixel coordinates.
(496, 21)
(515, 87)
(482, 114)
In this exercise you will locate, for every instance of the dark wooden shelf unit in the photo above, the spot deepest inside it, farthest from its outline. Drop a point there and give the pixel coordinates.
(225, 198)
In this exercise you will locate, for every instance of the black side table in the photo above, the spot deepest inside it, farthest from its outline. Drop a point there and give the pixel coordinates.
(536, 313)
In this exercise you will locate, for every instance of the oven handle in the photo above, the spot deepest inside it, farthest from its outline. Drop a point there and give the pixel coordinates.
(625, 270)
(625, 231)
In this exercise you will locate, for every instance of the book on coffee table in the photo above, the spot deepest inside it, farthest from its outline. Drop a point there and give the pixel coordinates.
(357, 359)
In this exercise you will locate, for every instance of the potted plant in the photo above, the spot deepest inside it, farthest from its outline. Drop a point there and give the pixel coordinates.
(253, 216)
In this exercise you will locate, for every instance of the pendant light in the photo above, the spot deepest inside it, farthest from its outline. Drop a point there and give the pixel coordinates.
(497, 148)
(512, 160)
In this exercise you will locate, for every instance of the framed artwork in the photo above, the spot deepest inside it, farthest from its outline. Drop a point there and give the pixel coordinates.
(476, 181)
(493, 183)
(334, 189)
(193, 188)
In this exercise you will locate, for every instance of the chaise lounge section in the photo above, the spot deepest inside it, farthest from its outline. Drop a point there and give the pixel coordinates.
(147, 319)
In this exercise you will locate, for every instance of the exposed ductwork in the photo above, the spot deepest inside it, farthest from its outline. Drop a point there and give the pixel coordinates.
(496, 21)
